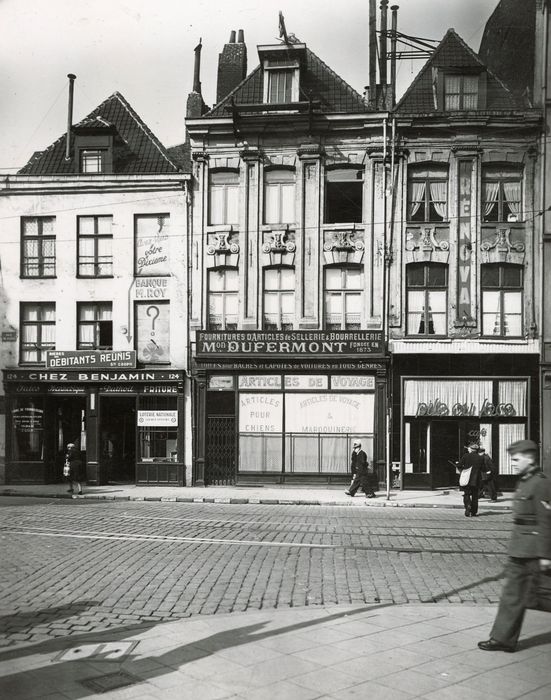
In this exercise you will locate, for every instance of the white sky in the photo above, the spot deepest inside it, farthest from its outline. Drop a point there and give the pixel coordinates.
(144, 49)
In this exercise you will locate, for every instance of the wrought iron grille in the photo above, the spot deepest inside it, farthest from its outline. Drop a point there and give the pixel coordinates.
(220, 450)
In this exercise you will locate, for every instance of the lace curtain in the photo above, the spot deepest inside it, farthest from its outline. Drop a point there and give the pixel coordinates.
(417, 197)
(438, 197)
(491, 191)
(512, 192)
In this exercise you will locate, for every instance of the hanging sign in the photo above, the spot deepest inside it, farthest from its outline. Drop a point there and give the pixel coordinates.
(464, 258)
(89, 359)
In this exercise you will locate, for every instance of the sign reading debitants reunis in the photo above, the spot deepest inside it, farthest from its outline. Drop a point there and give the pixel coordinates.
(294, 343)
(90, 359)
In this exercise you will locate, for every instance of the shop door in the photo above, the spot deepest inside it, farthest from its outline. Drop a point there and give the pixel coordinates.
(220, 439)
(118, 439)
(69, 416)
(445, 450)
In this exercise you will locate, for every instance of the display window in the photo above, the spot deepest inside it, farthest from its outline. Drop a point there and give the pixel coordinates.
(157, 429)
(27, 425)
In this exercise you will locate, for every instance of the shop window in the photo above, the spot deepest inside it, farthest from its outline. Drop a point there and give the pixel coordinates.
(427, 295)
(152, 244)
(502, 299)
(95, 246)
(343, 195)
(37, 246)
(223, 301)
(427, 194)
(343, 298)
(158, 429)
(37, 332)
(92, 161)
(224, 197)
(95, 326)
(279, 298)
(501, 194)
(27, 429)
(460, 92)
(279, 196)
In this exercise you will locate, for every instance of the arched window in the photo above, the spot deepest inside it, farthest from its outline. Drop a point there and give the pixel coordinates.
(279, 298)
(223, 197)
(343, 297)
(223, 299)
(427, 193)
(279, 196)
(427, 299)
(502, 299)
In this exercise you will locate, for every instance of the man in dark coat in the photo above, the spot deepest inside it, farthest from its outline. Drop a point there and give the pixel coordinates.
(529, 547)
(360, 472)
(489, 475)
(74, 463)
(473, 461)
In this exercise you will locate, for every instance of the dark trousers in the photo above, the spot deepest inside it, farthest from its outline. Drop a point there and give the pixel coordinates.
(470, 499)
(490, 488)
(515, 595)
(361, 480)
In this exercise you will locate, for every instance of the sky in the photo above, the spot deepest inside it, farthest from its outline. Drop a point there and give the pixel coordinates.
(144, 50)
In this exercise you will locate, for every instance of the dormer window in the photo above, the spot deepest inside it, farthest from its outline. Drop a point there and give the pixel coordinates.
(92, 161)
(281, 80)
(460, 92)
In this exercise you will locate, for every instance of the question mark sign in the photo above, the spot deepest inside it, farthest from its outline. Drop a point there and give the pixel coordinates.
(155, 315)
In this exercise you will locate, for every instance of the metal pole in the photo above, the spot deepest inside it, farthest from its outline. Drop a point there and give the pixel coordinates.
(69, 116)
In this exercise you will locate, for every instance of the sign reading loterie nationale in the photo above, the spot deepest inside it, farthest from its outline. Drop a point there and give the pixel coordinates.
(212, 344)
(90, 359)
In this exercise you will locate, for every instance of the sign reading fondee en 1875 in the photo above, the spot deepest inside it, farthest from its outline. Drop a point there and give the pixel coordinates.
(297, 343)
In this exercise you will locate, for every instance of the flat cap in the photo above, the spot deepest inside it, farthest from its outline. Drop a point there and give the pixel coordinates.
(522, 446)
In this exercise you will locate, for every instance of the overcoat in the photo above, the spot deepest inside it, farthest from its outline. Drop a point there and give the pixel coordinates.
(531, 533)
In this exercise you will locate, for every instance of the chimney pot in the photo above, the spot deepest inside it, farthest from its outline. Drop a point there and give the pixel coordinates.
(232, 37)
(240, 37)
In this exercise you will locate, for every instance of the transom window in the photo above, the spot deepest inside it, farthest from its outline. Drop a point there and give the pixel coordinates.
(92, 161)
(95, 326)
(427, 295)
(279, 298)
(37, 246)
(279, 196)
(501, 194)
(343, 298)
(37, 332)
(95, 246)
(460, 92)
(427, 194)
(502, 299)
(223, 197)
(344, 195)
(223, 302)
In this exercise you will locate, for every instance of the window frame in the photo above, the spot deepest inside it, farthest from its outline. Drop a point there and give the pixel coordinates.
(224, 294)
(40, 347)
(278, 188)
(502, 289)
(461, 94)
(343, 292)
(100, 154)
(96, 237)
(414, 176)
(330, 211)
(491, 174)
(278, 293)
(96, 323)
(276, 68)
(426, 288)
(224, 187)
(40, 239)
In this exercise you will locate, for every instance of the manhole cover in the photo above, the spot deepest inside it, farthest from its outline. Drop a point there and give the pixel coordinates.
(110, 681)
(97, 651)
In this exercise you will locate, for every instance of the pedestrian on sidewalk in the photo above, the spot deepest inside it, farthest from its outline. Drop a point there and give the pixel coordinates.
(489, 476)
(529, 546)
(73, 468)
(360, 472)
(473, 461)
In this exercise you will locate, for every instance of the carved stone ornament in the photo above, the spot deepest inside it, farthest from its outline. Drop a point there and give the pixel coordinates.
(222, 245)
(423, 246)
(502, 249)
(279, 243)
(343, 246)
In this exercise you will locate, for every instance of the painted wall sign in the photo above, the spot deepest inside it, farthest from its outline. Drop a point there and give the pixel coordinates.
(305, 382)
(438, 408)
(15, 375)
(89, 359)
(353, 383)
(152, 245)
(294, 343)
(151, 287)
(316, 364)
(158, 419)
(260, 381)
(153, 332)
(9, 336)
(464, 258)
(329, 413)
(220, 382)
(260, 413)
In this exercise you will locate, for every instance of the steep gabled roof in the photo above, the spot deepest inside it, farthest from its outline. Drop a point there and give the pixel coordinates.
(317, 82)
(452, 54)
(137, 151)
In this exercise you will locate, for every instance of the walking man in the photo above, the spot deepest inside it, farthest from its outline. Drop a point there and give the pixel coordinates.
(529, 546)
(360, 472)
(473, 461)
(489, 475)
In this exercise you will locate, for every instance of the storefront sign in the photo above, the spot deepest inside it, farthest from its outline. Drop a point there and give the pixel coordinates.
(289, 366)
(439, 408)
(305, 382)
(159, 389)
(353, 383)
(151, 287)
(28, 420)
(294, 343)
(329, 413)
(465, 243)
(152, 331)
(118, 389)
(65, 389)
(260, 413)
(220, 383)
(152, 244)
(16, 375)
(260, 381)
(158, 419)
(90, 359)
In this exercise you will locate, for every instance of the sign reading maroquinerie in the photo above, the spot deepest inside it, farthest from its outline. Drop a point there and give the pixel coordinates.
(297, 343)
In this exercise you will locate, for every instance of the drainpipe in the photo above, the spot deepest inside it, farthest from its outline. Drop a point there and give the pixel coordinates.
(72, 79)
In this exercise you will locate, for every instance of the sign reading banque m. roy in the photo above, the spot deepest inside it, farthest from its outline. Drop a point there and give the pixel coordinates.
(293, 343)
(89, 359)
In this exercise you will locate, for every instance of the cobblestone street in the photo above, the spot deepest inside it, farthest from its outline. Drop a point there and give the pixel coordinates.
(74, 567)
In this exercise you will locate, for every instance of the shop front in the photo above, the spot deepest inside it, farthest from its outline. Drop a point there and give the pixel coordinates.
(127, 424)
(285, 407)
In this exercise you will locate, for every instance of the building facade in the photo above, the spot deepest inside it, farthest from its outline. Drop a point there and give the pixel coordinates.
(94, 290)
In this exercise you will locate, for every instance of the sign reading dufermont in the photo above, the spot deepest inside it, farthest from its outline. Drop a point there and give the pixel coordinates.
(90, 359)
(295, 343)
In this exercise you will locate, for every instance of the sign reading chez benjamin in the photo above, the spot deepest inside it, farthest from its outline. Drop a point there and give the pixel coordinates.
(294, 343)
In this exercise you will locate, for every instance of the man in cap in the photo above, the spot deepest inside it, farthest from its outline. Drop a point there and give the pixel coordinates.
(473, 461)
(360, 472)
(529, 546)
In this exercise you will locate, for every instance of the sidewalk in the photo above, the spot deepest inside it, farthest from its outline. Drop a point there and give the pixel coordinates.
(278, 495)
(379, 652)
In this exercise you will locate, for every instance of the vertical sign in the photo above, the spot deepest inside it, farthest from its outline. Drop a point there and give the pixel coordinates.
(465, 243)
(153, 332)
(152, 243)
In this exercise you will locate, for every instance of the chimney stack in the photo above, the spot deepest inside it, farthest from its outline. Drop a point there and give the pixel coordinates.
(72, 79)
(372, 95)
(382, 50)
(232, 65)
(197, 68)
(195, 107)
(394, 9)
